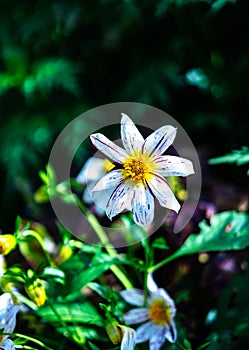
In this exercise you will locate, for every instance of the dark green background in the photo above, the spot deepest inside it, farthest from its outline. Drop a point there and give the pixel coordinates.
(61, 58)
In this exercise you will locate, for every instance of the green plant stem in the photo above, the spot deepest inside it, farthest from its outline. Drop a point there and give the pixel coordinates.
(36, 341)
(106, 243)
(163, 262)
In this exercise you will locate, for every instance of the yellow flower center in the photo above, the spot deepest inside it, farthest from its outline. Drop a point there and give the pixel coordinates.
(159, 312)
(138, 167)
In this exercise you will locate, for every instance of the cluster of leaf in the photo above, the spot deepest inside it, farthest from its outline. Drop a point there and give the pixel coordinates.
(79, 297)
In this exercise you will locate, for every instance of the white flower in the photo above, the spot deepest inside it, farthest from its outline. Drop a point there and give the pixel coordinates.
(8, 313)
(93, 170)
(141, 177)
(129, 338)
(158, 313)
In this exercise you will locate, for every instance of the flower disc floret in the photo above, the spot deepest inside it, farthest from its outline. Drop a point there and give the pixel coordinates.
(159, 312)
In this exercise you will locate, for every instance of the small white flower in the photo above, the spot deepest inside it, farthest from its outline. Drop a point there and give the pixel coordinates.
(93, 170)
(141, 177)
(158, 313)
(8, 313)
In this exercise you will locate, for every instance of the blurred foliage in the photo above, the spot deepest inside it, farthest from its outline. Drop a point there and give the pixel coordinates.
(239, 157)
(60, 58)
(188, 57)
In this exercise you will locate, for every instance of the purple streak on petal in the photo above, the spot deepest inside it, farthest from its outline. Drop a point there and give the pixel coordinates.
(142, 206)
(145, 331)
(158, 338)
(174, 166)
(163, 193)
(109, 148)
(171, 332)
(157, 143)
(136, 315)
(131, 137)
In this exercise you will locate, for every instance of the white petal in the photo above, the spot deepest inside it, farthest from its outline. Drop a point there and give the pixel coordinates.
(131, 137)
(174, 166)
(163, 193)
(119, 200)
(111, 179)
(157, 143)
(92, 170)
(8, 313)
(109, 148)
(133, 296)
(129, 338)
(145, 331)
(100, 199)
(151, 284)
(158, 338)
(7, 345)
(87, 197)
(171, 332)
(136, 315)
(142, 206)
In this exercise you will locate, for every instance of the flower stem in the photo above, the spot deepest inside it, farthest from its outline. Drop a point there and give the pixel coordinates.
(163, 262)
(36, 341)
(100, 232)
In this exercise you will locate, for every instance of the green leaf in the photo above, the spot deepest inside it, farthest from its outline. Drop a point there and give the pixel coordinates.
(90, 274)
(240, 157)
(204, 345)
(227, 231)
(218, 4)
(18, 223)
(92, 346)
(100, 290)
(74, 312)
(53, 272)
(51, 176)
(160, 243)
(187, 344)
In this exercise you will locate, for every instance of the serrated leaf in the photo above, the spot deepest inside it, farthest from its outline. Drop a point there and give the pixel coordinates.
(240, 157)
(227, 231)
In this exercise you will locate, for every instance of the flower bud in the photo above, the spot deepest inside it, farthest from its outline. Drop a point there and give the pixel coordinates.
(36, 291)
(7, 244)
(114, 332)
(64, 254)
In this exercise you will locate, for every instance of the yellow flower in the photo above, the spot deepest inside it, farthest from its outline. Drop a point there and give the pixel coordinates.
(7, 244)
(36, 291)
